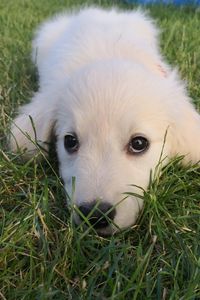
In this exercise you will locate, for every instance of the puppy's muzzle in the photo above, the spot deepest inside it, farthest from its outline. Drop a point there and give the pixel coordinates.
(99, 215)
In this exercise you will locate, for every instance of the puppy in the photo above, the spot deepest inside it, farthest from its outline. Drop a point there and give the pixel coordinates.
(115, 107)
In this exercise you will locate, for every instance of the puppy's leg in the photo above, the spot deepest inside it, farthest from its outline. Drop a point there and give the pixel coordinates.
(32, 128)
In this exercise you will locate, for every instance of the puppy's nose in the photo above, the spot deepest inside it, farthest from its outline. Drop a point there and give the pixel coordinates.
(98, 214)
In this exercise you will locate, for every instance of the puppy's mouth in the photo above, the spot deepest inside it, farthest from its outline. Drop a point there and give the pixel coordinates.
(108, 231)
(104, 232)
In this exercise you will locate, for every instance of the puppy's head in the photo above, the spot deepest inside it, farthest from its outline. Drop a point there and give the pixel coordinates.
(111, 123)
(111, 120)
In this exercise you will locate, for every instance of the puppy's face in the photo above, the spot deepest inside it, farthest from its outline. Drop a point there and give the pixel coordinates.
(111, 123)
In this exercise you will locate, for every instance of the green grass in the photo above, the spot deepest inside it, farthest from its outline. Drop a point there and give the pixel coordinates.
(42, 254)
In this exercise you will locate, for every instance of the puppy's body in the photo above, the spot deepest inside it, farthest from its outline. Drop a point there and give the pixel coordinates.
(70, 42)
(103, 80)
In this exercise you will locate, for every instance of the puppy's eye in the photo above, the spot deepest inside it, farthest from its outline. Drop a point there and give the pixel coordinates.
(71, 143)
(137, 144)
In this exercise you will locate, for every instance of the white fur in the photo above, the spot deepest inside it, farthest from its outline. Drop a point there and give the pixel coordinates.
(102, 76)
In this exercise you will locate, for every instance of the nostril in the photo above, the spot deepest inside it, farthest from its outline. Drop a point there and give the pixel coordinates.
(98, 214)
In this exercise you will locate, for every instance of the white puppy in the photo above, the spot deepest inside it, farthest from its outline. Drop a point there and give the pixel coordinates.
(110, 100)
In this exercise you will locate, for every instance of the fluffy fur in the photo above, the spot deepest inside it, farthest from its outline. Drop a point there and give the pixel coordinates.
(102, 76)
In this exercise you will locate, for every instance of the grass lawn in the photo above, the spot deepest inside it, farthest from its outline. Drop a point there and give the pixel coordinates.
(42, 255)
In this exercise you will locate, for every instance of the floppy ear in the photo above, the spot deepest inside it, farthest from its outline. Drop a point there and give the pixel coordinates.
(186, 133)
(32, 128)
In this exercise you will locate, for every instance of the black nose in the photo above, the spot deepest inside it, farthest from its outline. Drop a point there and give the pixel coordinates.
(98, 214)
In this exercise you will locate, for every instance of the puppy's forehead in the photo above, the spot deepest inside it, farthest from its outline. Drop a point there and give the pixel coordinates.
(113, 95)
(119, 120)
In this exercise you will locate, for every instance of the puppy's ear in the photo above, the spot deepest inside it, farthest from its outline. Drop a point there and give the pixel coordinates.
(186, 133)
(31, 131)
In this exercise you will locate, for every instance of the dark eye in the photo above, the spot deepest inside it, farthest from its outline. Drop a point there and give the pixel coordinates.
(137, 144)
(71, 143)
